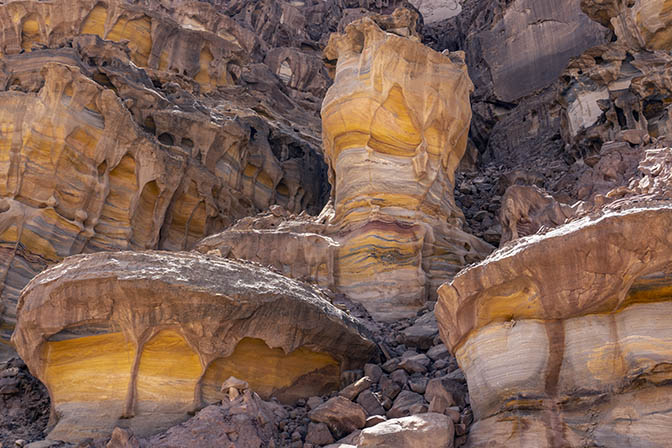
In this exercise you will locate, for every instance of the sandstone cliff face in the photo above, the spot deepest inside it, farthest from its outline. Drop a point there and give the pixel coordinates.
(543, 339)
(131, 127)
(150, 336)
(394, 128)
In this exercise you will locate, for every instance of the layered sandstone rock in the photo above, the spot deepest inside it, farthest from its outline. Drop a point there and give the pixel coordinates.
(150, 336)
(395, 126)
(133, 127)
(564, 337)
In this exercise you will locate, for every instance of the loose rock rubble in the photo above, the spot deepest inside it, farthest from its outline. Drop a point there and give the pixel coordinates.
(24, 404)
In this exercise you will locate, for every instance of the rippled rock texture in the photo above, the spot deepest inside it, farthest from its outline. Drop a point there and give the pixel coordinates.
(143, 126)
(395, 125)
(150, 336)
(564, 338)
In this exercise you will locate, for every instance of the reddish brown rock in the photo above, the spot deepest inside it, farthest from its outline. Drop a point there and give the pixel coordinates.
(341, 415)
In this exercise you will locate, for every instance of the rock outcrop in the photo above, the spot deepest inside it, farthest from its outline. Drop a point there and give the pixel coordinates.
(640, 23)
(149, 336)
(143, 126)
(395, 127)
(543, 339)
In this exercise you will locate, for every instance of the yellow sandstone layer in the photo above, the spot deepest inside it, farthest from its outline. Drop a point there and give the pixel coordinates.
(78, 174)
(155, 40)
(151, 336)
(564, 338)
(395, 125)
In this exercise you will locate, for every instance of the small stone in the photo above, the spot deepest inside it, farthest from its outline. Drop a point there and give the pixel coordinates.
(418, 384)
(370, 402)
(341, 415)
(373, 371)
(415, 364)
(460, 429)
(439, 405)
(314, 402)
(452, 390)
(453, 413)
(400, 377)
(438, 352)
(20, 442)
(319, 434)
(389, 388)
(403, 403)
(374, 420)
(356, 388)
(122, 438)
(457, 375)
(233, 382)
(391, 365)
(440, 364)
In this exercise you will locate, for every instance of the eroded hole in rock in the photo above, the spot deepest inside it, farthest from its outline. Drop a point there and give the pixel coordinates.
(272, 373)
(166, 139)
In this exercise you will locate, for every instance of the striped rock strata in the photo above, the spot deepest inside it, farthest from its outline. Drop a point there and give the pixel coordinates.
(395, 126)
(150, 336)
(120, 128)
(565, 337)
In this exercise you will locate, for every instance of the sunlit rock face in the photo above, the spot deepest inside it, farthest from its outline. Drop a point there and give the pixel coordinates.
(395, 125)
(126, 127)
(564, 337)
(151, 336)
(639, 23)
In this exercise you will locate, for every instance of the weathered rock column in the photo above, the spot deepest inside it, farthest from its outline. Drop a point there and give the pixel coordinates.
(395, 126)
(565, 338)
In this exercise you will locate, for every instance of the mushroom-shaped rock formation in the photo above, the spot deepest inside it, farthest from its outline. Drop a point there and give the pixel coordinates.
(151, 336)
(565, 338)
(395, 126)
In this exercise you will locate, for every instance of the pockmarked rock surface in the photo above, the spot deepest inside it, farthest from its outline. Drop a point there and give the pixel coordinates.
(395, 125)
(145, 125)
(542, 338)
(147, 337)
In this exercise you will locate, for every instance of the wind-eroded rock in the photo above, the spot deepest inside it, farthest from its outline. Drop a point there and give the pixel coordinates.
(126, 127)
(150, 336)
(395, 126)
(564, 338)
